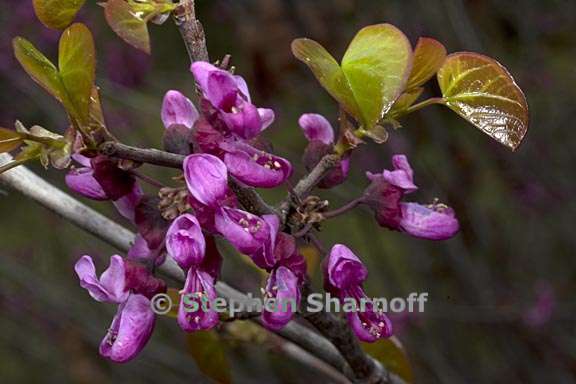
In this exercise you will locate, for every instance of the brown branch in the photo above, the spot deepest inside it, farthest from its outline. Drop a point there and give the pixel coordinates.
(191, 30)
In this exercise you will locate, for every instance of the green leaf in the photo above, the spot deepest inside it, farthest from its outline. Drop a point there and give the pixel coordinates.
(57, 14)
(128, 24)
(429, 55)
(77, 62)
(377, 64)
(482, 91)
(208, 351)
(39, 68)
(391, 354)
(9, 140)
(327, 71)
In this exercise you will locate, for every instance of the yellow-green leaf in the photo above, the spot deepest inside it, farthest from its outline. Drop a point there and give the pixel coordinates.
(391, 354)
(208, 351)
(40, 69)
(429, 55)
(9, 140)
(406, 99)
(128, 24)
(377, 64)
(482, 91)
(328, 72)
(57, 14)
(77, 64)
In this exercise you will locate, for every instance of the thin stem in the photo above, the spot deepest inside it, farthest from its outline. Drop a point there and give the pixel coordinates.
(343, 209)
(304, 231)
(420, 105)
(153, 182)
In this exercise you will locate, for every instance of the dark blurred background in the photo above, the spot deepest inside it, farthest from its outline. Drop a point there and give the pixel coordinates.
(501, 308)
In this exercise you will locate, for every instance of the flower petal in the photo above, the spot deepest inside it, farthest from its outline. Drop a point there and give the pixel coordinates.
(267, 117)
(436, 222)
(206, 178)
(185, 241)
(254, 167)
(82, 181)
(282, 286)
(86, 272)
(195, 311)
(402, 176)
(248, 233)
(367, 323)
(126, 205)
(130, 330)
(177, 109)
(344, 268)
(114, 279)
(316, 128)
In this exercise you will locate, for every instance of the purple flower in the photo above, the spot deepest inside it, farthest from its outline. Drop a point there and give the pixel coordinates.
(246, 232)
(195, 312)
(283, 287)
(185, 241)
(254, 167)
(130, 330)
(100, 179)
(82, 181)
(317, 128)
(344, 275)
(130, 285)
(320, 135)
(110, 287)
(385, 193)
(206, 178)
(434, 221)
(177, 109)
(229, 95)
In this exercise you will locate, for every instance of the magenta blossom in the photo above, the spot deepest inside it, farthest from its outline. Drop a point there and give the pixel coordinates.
(384, 195)
(344, 275)
(207, 178)
(320, 135)
(130, 286)
(100, 179)
(287, 267)
(284, 287)
(255, 167)
(185, 242)
(246, 232)
(131, 329)
(177, 109)
(194, 312)
(229, 95)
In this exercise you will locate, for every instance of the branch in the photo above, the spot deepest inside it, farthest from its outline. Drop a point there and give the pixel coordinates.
(308, 182)
(191, 30)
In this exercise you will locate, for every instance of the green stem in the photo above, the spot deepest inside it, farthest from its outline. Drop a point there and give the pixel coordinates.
(415, 107)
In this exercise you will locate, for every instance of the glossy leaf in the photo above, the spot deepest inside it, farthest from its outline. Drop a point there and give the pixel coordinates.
(429, 55)
(128, 24)
(377, 64)
(9, 140)
(208, 352)
(327, 71)
(482, 91)
(77, 64)
(57, 14)
(39, 68)
(391, 354)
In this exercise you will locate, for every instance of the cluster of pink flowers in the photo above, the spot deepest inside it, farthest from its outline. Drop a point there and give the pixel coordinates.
(218, 139)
